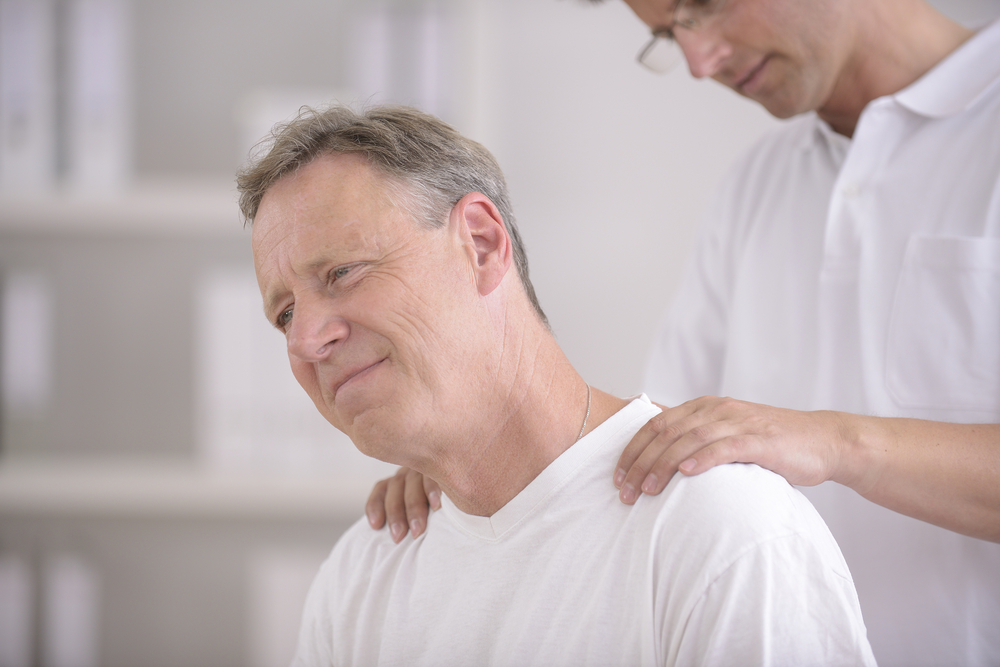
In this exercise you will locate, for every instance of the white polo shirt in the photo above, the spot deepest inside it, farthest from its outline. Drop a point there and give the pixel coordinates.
(864, 275)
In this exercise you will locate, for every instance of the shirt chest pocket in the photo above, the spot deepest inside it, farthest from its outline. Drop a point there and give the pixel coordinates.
(944, 334)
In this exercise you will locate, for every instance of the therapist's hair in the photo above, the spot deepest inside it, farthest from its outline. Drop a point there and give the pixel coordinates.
(427, 164)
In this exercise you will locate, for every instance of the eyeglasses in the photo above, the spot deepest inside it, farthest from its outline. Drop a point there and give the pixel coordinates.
(661, 52)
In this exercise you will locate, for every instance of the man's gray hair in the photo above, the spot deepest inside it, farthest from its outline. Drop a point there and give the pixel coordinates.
(427, 164)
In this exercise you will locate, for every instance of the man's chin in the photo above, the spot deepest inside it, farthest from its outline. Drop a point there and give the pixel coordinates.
(374, 434)
(387, 452)
(781, 107)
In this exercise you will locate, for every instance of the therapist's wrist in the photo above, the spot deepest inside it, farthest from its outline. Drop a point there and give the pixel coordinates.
(862, 447)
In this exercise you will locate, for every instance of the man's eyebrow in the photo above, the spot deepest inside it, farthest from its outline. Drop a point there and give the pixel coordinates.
(274, 297)
(270, 303)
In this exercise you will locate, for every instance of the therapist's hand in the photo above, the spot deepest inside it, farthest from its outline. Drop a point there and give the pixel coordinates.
(403, 501)
(805, 448)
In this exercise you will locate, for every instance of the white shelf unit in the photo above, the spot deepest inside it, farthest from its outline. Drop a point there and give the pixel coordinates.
(180, 487)
(150, 207)
(172, 490)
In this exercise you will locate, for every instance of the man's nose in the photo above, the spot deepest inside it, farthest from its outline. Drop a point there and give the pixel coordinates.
(704, 50)
(314, 331)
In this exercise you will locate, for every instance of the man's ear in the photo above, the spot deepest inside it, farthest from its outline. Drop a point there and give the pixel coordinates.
(482, 231)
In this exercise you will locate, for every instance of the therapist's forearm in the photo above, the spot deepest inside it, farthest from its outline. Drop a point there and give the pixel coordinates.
(941, 473)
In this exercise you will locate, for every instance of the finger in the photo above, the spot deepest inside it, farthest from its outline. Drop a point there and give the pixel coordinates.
(416, 502)
(395, 507)
(433, 492)
(732, 448)
(640, 442)
(640, 471)
(662, 470)
(675, 445)
(690, 456)
(704, 428)
(375, 507)
(655, 438)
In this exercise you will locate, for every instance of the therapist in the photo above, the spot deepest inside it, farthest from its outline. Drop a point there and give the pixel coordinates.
(848, 273)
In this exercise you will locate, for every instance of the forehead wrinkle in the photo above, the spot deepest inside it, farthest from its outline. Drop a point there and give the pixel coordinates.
(275, 295)
(273, 265)
(303, 222)
(360, 244)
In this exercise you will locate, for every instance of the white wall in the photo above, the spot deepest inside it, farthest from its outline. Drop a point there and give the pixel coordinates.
(609, 165)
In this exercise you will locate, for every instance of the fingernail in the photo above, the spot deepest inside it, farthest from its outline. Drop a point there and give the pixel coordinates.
(398, 530)
(371, 520)
(619, 478)
(415, 526)
(649, 484)
(687, 466)
(628, 494)
(434, 498)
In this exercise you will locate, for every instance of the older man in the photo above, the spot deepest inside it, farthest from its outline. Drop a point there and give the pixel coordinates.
(386, 253)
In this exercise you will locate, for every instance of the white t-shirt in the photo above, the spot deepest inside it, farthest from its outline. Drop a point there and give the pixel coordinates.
(864, 275)
(731, 567)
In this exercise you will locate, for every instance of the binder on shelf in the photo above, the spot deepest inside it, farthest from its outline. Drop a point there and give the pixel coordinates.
(17, 611)
(28, 147)
(70, 612)
(26, 344)
(97, 115)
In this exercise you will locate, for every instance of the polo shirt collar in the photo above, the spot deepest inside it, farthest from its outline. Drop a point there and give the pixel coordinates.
(958, 81)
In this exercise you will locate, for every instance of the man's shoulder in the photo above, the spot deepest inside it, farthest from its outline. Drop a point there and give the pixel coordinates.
(966, 83)
(735, 508)
(361, 542)
(780, 152)
(788, 172)
(739, 538)
(800, 134)
(358, 549)
(743, 491)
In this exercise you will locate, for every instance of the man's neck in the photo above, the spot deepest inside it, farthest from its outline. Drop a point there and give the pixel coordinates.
(899, 41)
(535, 414)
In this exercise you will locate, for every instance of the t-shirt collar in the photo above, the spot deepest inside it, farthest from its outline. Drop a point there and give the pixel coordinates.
(566, 466)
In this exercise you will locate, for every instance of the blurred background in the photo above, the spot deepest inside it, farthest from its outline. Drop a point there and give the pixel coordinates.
(166, 490)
